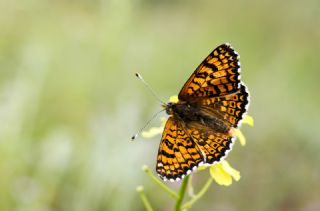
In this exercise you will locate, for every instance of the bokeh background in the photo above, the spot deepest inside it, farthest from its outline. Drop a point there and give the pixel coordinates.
(69, 101)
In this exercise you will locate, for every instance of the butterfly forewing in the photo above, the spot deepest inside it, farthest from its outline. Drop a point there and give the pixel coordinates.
(178, 154)
(217, 75)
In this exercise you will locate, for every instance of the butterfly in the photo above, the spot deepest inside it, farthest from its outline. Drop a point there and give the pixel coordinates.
(199, 129)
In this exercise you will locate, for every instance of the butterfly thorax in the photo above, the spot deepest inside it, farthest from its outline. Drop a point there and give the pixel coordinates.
(193, 114)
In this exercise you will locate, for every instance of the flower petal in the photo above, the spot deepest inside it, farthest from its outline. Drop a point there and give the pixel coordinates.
(219, 175)
(231, 171)
(240, 136)
(163, 121)
(174, 99)
(223, 173)
(248, 120)
(152, 132)
(200, 168)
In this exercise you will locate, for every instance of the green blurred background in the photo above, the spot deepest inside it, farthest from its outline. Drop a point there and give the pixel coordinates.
(69, 101)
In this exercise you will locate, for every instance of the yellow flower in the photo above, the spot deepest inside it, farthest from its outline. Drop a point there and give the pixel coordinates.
(223, 173)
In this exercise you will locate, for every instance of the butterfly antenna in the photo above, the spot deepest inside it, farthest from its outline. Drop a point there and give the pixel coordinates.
(149, 88)
(152, 118)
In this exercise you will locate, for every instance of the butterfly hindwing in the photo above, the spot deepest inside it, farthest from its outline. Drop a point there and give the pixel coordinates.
(214, 145)
(178, 154)
(217, 75)
(231, 108)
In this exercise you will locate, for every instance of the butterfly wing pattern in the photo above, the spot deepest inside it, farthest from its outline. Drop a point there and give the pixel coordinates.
(178, 153)
(217, 75)
(199, 129)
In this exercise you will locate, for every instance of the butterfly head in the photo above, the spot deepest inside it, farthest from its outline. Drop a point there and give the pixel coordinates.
(169, 107)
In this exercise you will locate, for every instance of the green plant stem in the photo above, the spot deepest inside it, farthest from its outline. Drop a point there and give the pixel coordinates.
(172, 193)
(190, 187)
(144, 198)
(205, 188)
(181, 193)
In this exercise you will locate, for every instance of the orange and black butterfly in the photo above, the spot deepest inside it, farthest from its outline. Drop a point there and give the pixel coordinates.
(199, 128)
